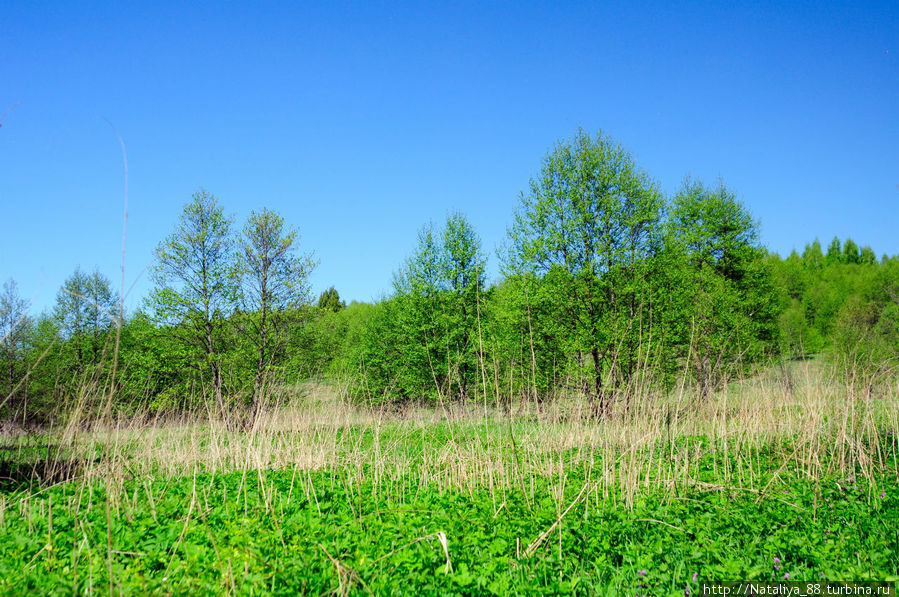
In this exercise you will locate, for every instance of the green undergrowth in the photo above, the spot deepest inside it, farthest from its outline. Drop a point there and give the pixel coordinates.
(290, 532)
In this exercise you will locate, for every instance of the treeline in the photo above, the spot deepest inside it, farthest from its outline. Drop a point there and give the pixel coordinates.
(226, 308)
(844, 303)
(607, 288)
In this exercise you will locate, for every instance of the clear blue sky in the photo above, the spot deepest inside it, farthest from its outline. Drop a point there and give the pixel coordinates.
(361, 122)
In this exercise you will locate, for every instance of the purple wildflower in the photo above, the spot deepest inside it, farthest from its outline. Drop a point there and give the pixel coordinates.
(786, 576)
(642, 572)
(695, 576)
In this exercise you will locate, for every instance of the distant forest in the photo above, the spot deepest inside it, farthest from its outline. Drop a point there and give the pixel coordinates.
(608, 287)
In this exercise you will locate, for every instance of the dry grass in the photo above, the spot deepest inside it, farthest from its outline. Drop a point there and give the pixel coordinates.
(815, 426)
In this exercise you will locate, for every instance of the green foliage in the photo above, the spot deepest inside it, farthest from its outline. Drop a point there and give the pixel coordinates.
(812, 256)
(526, 338)
(329, 300)
(274, 285)
(157, 371)
(834, 253)
(733, 319)
(194, 272)
(867, 256)
(14, 340)
(274, 274)
(866, 331)
(850, 252)
(317, 532)
(464, 265)
(426, 341)
(844, 307)
(607, 289)
(86, 310)
(196, 285)
(590, 227)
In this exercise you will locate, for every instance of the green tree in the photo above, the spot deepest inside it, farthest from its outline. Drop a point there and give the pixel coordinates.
(850, 252)
(834, 252)
(329, 300)
(867, 256)
(86, 308)
(195, 284)
(812, 256)
(463, 271)
(412, 321)
(275, 281)
(734, 306)
(591, 224)
(866, 327)
(14, 327)
(46, 384)
(158, 369)
(426, 340)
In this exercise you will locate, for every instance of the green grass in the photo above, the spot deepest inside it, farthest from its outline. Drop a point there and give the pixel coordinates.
(323, 496)
(295, 531)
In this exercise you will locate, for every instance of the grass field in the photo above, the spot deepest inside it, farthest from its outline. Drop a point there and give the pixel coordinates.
(775, 478)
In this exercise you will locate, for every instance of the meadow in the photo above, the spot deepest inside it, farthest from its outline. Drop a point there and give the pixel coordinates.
(791, 474)
(644, 401)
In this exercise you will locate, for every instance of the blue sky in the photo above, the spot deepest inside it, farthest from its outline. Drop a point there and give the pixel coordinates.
(361, 122)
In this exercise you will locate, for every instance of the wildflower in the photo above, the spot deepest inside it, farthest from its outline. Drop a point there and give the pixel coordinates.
(776, 560)
(642, 572)
(695, 576)
(883, 494)
(786, 576)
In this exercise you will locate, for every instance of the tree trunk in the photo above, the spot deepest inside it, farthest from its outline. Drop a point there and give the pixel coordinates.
(216, 373)
(263, 340)
(260, 368)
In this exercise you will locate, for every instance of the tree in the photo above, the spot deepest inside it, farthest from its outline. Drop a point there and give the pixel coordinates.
(14, 325)
(47, 367)
(591, 224)
(867, 256)
(275, 279)
(425, 341)
(463, 273)
(412, 323)
(436, 302)
(812, 256)
(329, 300)
(850, 252)
(734, 306)
(195, 286)
(85, 311)
(834, 252)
